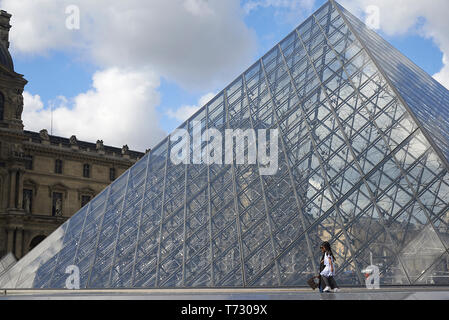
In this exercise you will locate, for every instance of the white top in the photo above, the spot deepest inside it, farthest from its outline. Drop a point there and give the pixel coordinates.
(327, 267)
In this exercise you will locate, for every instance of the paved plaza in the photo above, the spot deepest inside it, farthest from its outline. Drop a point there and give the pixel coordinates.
(398, 293)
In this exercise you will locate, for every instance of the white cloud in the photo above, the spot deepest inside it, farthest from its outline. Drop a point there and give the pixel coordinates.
(426, 18)
(119, 109)
(194, 43)
(443, 75)
(32, 104)
(185, 112)
(36, 27)
(198, 7)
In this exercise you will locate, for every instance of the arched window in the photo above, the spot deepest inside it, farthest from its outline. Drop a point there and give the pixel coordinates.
(36, 240)
(85, 200)
(2, 106)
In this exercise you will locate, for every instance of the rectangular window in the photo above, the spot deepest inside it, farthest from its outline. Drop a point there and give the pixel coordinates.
(27, 203)
(57, 204)
(58, 166)
(85, 200)
(86, 171)
(112, 174)
(29, 163)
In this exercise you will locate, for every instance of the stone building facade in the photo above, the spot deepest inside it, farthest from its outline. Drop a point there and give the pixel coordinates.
(44, 179)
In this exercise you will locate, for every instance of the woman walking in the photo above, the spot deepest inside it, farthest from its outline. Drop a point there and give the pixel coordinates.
(328, 273)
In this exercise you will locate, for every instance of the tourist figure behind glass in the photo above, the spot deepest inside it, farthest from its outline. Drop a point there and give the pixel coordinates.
(327, 274)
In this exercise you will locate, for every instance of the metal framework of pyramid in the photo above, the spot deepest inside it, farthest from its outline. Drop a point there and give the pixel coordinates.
(363, 164)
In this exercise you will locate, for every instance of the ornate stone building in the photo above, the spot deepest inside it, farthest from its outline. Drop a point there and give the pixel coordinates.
(44, 179)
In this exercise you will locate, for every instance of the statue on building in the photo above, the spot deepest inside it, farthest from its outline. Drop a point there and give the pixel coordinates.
(125, 149)
(73, 140)
(26, 202)
(99, 145)
(15, 98)
(43, 134)
(18, 102)
(58, 208)
(17, 150)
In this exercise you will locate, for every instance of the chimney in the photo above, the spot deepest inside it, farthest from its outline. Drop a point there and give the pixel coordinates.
(5, 17)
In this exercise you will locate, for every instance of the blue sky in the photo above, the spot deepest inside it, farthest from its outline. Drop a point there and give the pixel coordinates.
(64, 74)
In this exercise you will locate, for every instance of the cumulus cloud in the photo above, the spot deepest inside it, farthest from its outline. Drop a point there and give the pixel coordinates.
(33, 103)
(426, 18)
(443, 75)
(119, 109)
(186, 111)
(134, 43)
(194, 43)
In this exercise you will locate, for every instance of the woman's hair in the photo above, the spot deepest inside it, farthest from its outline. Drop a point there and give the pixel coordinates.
(327, 248)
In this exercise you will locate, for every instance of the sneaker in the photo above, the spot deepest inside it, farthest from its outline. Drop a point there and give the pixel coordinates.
(337, 290)
(327, 289)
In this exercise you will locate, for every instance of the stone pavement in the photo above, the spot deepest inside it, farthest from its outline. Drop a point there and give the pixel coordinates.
(396, 293)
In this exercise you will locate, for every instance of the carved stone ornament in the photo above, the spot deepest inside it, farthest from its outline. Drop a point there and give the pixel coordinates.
(73, 140)
(16, 148)
(125, 149)
(18, 102)
(43, 134)
(14, 98)
(100, 145)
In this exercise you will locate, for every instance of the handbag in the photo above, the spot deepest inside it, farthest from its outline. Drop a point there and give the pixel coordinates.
(313, 283)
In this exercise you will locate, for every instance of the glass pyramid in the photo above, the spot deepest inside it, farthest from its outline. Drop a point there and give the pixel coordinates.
(362, 163)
